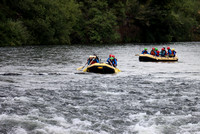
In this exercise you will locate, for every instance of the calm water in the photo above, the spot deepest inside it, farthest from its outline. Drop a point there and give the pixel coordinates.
(41, 92)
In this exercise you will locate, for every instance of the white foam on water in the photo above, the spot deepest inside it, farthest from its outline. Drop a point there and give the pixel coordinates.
(62, 121)
(153, 129)
(55, 130)
(145, 124)
(75, 128)
(159, 101)
(18, 130)
(3, 117)
(81, 123)
(151, 100)
(104, 85)
(137, 116)
(22, 99)
(61, 130)
(112, 93)
(160, 124)
(61, 127)
(190, 128)
(34, 112)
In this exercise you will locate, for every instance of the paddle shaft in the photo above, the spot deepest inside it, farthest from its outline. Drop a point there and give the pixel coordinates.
(85, 64)
(91, 61)
(111, 62)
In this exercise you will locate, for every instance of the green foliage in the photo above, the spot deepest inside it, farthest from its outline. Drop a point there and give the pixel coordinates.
(51, 21)
(99, 23)
(48, 22)
(45, 22)
(164, 21)
(13, 33)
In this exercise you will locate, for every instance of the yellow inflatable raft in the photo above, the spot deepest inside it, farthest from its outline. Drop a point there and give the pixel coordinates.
(102, 68)
(148, 57)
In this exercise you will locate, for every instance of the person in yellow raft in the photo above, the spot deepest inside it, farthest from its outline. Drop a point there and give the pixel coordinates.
(173, 52)
(92, 59)
(112, 60)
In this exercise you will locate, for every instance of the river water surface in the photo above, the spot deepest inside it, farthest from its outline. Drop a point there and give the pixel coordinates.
(41, 92)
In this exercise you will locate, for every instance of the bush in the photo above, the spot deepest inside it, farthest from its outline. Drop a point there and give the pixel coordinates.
(13, 33)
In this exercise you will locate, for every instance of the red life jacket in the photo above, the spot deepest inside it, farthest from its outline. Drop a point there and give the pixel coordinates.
(145, 52)
(152, 52)
(157, 53)
(94, 61)
(165, 52)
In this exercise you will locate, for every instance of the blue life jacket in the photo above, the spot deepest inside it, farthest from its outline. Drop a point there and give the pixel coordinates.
(144, 52)
(153, 52)
(92, 61)
(169, 52)
(163, 53)
(174, 53)
(114, 62)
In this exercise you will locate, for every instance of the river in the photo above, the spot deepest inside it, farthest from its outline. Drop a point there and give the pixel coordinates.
(41, 92)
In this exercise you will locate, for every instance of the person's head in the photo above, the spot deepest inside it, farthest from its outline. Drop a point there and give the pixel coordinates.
(173, 49)
(153, 48)
(163, 49)
(145, 48)
(92, 56)
(168, 48)
(156, 49)
(111, 58)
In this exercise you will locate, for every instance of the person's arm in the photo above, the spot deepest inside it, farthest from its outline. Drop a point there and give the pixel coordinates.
(155, 53)
(108, 60)
(169, 52)
(115, 62)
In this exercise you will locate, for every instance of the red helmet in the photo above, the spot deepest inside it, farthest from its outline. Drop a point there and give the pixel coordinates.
(163, 49)
(110, 55)
(153, 48)
(168, 47)
(113, 56)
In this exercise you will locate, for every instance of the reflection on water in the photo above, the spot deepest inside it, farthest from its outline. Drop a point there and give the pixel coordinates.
(42, 92)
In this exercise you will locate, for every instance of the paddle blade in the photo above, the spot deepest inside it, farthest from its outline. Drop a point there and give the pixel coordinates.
(80, 68)
(117, 70)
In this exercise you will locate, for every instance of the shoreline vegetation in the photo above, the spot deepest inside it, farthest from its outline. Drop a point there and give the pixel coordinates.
(43, 22)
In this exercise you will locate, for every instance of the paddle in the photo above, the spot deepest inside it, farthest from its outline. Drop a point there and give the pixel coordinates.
(81, 67)
(137, 55)
(84, 65)
(110, 63)
(114, 67)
